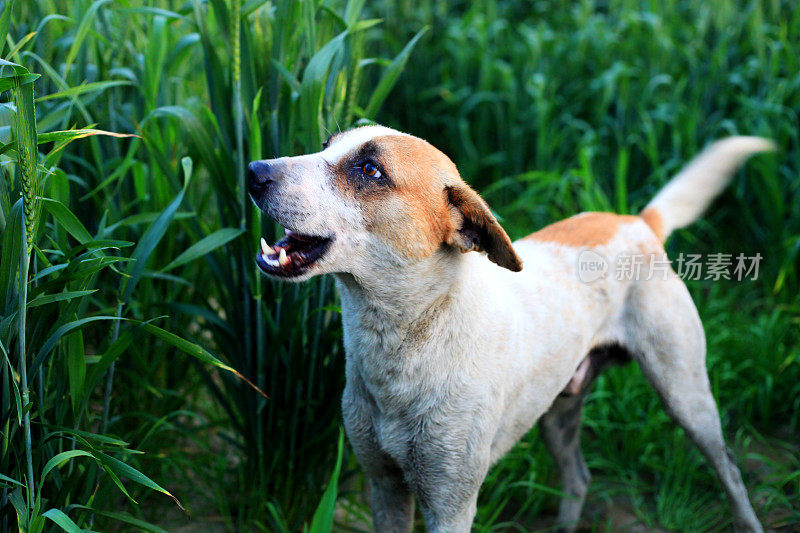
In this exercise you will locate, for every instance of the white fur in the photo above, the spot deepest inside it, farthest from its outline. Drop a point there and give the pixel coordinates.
(353, 139)
(688, 194)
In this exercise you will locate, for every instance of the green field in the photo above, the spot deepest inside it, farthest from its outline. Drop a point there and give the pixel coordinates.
(151, 379)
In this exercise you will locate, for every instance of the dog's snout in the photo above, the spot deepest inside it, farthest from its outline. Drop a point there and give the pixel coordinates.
(259, 175)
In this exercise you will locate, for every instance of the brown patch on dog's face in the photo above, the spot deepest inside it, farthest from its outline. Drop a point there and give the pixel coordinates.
(412, 198)
(403, 202)
(589, 229)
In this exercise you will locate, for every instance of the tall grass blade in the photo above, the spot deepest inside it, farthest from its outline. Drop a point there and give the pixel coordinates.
(5, 21)
(197, 351)
(25, 135)
(323, 516)
(62, 520)
(391, 76)
(204, 246)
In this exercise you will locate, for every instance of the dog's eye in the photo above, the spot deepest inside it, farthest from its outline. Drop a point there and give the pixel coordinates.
(370, 170)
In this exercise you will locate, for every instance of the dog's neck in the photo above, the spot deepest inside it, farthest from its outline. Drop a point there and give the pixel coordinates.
(400, 294)
(383, 311)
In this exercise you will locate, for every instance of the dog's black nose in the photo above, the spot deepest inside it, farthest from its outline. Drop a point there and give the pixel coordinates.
(259, 174)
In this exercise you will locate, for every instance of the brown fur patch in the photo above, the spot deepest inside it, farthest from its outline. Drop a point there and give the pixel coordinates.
(587, 229)
(479, 230)
(653, 219)
(429, 185)
(412, 214)
(416, 213)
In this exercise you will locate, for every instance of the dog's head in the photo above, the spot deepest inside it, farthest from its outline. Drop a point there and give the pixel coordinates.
(373, 198)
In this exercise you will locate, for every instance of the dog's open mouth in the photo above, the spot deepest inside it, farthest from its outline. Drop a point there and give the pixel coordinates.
(292, 255)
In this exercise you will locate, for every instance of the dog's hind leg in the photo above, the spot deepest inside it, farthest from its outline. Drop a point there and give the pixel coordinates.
(560, 429)
(667, 339)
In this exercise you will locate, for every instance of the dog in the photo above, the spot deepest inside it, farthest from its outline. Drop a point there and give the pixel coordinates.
(452, 356)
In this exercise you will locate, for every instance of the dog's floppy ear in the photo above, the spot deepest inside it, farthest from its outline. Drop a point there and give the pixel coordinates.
(475, 228)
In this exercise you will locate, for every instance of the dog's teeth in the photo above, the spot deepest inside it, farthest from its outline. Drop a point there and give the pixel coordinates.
(282, 259)
(265, 249)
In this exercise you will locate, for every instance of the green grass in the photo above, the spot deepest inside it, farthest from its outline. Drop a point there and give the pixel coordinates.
(142, 294)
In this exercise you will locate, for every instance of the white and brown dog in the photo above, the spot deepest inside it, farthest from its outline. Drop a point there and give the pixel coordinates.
(452, 356)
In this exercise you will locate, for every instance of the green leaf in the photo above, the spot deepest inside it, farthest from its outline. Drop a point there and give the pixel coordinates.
(80, 34)
(83, 89)
(153, 11)
(155, 54)
(204, 246)
(67, 219)
(96, 246)
(62, 520)
(323, 516)
(20, 507)
(56, 336)
(278, 520)
(76, 369)
(150, 239)
(286, 75)
(8, 261)
(87, 436)
(195, 350)
(390, 77)
(5, 22)
(64, 137)
(7, 82)
(9, 480)
(118, 482)
(59, 460)
(352, 11)
(44, 299)
(125, 518)
(200, 133)
(17, 47)
(17, 395)
(70, 135)
(123, 469)
(187, 165)
(144, 218)
(18, 70)
(312, 88)
(111, 354)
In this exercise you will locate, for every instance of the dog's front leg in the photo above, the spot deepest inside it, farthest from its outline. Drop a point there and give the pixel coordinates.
(446, 470)
(392, 504)
(391, 499)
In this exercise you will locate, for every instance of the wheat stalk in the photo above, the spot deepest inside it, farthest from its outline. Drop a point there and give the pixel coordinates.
(25, 137)
(25, 134)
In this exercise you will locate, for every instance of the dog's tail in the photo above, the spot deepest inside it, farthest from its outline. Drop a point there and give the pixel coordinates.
(686, 196)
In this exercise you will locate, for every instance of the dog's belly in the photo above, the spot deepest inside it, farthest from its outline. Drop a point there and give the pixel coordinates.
(528, 402)
(560, 322)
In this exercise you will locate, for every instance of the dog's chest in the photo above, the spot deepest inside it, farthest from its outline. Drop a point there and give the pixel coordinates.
(397, 371)
(397, 350)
